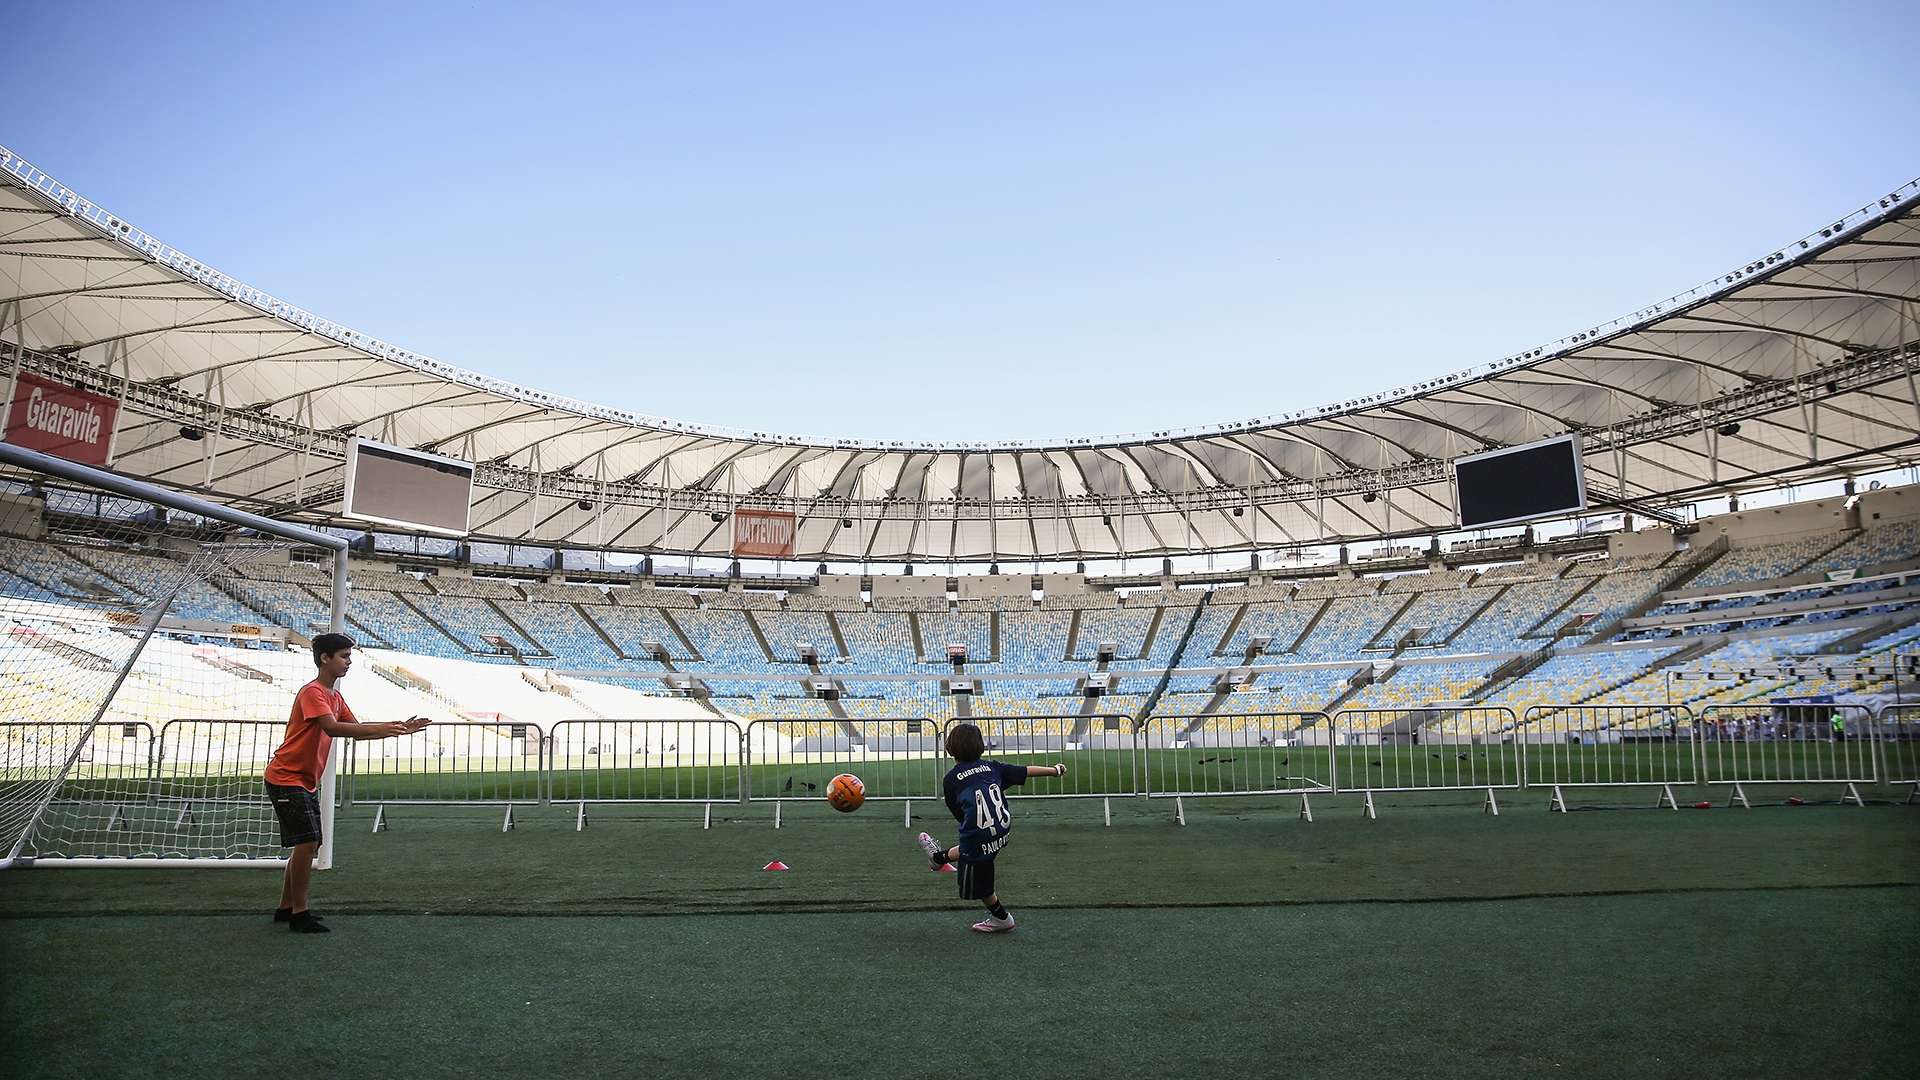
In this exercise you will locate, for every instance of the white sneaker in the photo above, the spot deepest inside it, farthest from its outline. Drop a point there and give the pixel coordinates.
(936, 858)
(991, 925)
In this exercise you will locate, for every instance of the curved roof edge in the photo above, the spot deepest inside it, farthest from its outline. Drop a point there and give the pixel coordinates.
(163, 254)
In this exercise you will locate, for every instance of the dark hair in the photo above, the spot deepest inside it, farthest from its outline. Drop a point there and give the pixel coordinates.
(328, 644)
(964, 743)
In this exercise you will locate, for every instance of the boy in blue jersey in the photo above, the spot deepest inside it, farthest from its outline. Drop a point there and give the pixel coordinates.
(976, 796)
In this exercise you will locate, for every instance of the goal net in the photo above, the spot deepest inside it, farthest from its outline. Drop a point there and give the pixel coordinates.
(149, 656)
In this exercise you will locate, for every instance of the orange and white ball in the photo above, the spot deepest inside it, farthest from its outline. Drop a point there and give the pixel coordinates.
(845, 793)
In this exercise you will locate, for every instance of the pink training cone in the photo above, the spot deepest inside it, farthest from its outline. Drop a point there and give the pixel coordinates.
(776, 865)
(947, 868)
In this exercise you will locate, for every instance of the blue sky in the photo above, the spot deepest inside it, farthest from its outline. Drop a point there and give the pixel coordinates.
(888, 222)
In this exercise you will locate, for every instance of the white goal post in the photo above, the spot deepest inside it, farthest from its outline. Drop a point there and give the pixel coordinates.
(123, 741)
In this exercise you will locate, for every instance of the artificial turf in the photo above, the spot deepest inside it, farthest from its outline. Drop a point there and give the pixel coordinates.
(1434, 941)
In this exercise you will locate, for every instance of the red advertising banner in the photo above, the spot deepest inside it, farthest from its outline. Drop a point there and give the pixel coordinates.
(58, 419)
(765, 533)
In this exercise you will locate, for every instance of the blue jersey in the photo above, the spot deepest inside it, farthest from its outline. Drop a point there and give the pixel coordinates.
(976, 796)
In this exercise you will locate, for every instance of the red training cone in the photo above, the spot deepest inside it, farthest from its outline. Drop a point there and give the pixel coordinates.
(1703, 806)
(776, 865)
(947, 868)
(1795, 800)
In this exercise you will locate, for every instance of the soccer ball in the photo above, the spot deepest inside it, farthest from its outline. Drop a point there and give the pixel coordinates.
(845, 793)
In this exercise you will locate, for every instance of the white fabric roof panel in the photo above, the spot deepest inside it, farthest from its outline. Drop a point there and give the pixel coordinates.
(1810, 349)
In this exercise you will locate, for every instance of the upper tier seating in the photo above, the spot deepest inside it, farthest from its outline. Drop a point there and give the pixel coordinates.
(1876, 546)
(1763, 562)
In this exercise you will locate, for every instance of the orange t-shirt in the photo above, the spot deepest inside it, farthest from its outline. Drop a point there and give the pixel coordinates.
(303, 754)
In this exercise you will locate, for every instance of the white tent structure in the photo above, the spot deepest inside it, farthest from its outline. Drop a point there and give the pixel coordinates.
(1796, 366)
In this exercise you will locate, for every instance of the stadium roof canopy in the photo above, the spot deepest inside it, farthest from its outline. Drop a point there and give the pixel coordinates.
(1796, 366)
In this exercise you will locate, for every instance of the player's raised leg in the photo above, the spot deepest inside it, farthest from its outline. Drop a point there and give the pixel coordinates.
(936, 855)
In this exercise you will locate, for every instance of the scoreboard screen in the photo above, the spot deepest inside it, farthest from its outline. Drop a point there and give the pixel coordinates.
(409, 488)
(1520, 483)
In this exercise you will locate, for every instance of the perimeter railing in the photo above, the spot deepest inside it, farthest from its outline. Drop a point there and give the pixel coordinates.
(1253, 753)
(216, 762)
(1792, 744)
(1433, 748)
(1897, 735)
(115, 766)
(1594, 746)
(450, 763)
(646, 761)
(898, 759)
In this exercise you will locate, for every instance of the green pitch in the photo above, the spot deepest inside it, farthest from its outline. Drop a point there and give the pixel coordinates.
(1435, 941)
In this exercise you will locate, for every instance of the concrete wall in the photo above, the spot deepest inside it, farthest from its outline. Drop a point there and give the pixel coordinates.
(838, 585)
(1658, 539)
(1749, 528)
(1063, 584)
(1889, 505)
(890, 585)
(987, 586)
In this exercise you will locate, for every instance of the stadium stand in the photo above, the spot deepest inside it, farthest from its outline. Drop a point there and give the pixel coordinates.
(1471, 621)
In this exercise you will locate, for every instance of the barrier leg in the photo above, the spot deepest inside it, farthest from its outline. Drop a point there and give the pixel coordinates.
(580, 817)
(116, 823)
(1558, 802)
(186, 817)
(906, 814)
(1738, 796)
(380, 818)
(1372, 814)
(1179, 810)
(777, 804)
(1913, 792)
(708, 822)
(506, 823)
(1491, 806)
(1666, 798)
(1108, 803)
(1306, 807)
(1852, 796)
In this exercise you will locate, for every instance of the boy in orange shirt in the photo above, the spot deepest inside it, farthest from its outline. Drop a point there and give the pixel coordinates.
(320, 715)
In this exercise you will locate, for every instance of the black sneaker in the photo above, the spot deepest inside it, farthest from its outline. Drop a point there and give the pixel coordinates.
(305, 923)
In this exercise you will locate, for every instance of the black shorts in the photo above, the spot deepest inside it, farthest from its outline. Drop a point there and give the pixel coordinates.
(976, 879)
(299, 812)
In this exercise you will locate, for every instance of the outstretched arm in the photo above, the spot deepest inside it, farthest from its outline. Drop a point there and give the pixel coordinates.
(354, 729)
(1046, 770)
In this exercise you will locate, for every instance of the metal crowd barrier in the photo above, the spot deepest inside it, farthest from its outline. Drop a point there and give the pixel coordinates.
(453, 763)
(115, 766)
(645, 761)
(896, 758)
(112, 775)
(1897, 734)
(217, 763)
(1433, 748)
(1797, 744)
(1590, 746)
(1278, 753)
